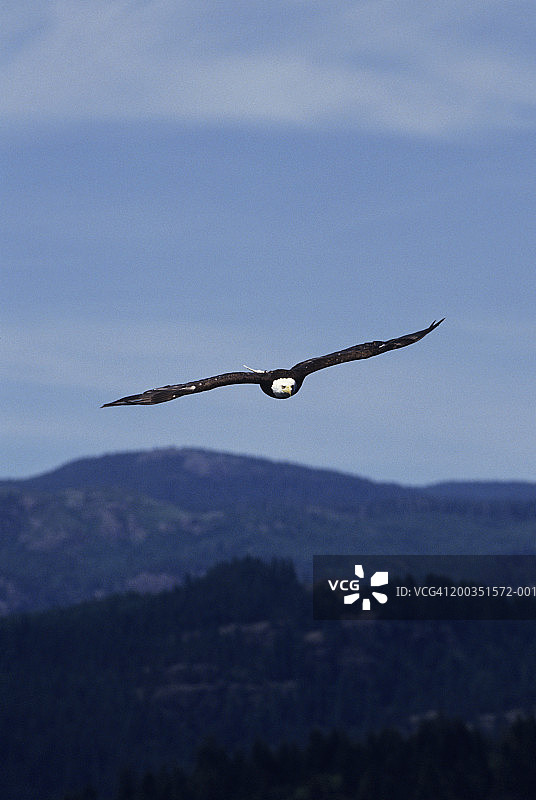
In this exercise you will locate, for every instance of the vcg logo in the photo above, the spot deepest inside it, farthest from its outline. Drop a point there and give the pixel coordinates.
(352, 588)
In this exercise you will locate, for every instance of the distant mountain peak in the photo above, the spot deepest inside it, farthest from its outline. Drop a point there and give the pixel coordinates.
(144, 519)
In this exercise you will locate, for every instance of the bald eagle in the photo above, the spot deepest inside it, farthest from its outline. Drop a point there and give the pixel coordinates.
(277, 383)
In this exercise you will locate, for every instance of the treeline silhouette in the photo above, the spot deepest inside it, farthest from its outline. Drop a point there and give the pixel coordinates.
(442, 760)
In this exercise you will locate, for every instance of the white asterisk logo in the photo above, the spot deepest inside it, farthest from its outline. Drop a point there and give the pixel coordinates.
(377, 579)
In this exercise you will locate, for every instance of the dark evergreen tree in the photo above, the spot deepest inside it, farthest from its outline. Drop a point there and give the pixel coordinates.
(516, 764)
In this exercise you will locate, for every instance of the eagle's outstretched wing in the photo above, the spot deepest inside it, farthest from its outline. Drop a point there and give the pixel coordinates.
(360, 351)
(165, 393)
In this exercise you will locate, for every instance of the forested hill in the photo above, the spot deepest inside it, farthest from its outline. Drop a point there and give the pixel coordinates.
(138, 682)
(202, 480)
(144, 520)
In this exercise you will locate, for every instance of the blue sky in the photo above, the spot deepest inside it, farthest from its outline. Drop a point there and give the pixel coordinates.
(190, 186)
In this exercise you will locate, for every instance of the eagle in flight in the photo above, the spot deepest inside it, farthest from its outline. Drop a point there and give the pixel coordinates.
(277, 383)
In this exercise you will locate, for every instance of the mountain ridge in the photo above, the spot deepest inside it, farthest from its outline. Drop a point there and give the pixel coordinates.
(100, 470)
(143, 520)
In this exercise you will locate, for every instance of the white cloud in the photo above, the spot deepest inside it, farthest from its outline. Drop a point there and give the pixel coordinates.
(398, 65)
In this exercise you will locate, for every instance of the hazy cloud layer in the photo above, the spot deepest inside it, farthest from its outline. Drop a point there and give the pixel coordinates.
(407, 66)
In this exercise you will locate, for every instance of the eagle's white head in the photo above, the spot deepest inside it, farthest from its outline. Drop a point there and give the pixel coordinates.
(283, 387)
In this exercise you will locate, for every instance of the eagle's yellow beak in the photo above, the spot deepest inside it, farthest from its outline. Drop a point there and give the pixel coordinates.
(288, 390)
